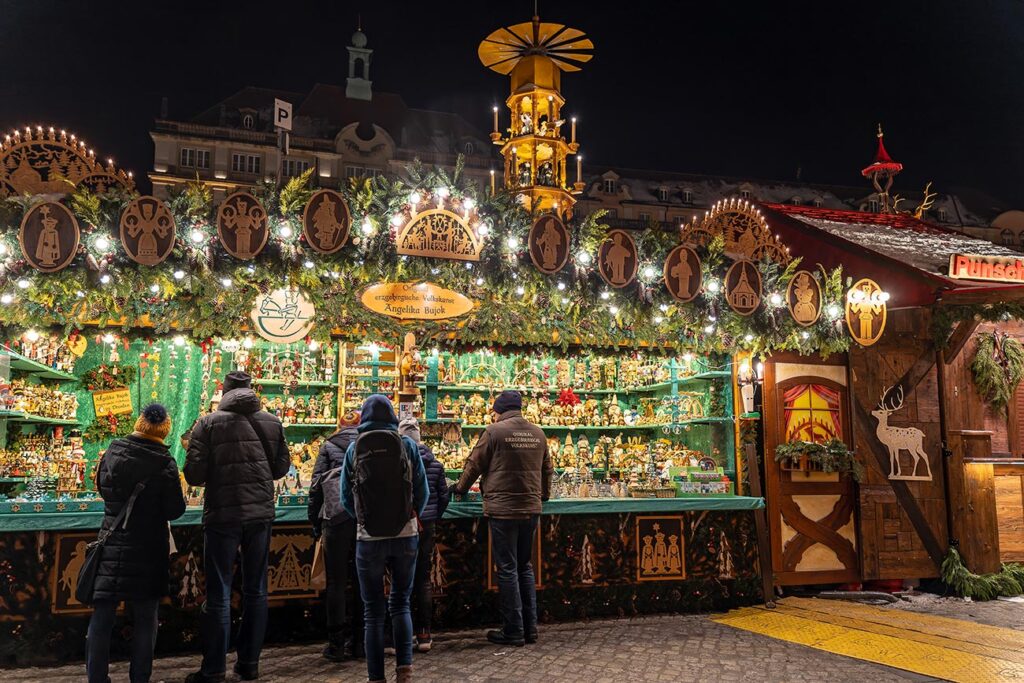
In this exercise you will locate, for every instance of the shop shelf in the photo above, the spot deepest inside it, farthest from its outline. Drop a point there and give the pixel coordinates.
(750, 416)
(706, 376)
(23, 364)
(467, 388)
(704, 421)
(15, 416)
(589, 428)
(300, 384)
(311, 425)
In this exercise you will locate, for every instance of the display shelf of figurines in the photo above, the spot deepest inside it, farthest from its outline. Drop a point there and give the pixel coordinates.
(40, 457)
(617, 425)
(366, 369)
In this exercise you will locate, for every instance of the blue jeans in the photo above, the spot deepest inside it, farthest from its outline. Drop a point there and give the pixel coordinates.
(512, 545)
(372, 558)
(144, 613)
(221, 546)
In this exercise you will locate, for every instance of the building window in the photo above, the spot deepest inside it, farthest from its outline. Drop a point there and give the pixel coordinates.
(469, 149)
(1007, 238)
(688, 196)
(245, 163)
(194, 158)
(817, 202)
(745, 194)
(609, 186)
(873, 205)
(361, 172)
(942, 214)
(797, 201)
(662, 194)
(294, 167)
(248, 121)
(644, 217)
(613, 213)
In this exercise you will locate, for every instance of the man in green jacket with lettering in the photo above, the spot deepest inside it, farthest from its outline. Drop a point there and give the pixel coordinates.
(514, 465)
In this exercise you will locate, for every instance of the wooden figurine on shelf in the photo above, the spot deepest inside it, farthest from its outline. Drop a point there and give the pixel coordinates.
(300, 411)
(451, 373)
(407, 364)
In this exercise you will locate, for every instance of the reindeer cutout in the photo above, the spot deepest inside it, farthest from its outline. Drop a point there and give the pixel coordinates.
(896, 439)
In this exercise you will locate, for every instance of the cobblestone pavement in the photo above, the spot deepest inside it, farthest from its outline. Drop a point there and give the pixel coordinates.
(1005, 613)
(666, 648)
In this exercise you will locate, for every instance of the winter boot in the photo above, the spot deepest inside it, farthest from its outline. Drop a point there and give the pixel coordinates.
(404, 674)
(334, 651)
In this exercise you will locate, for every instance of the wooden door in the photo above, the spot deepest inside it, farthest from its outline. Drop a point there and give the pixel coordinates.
(811, 513)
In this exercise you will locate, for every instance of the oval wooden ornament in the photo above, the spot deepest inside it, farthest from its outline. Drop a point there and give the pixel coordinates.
(803, 297)
(326, 221)
(49, 237)
(866, 311)
(147, 231)
(617, 259)
(548, 242)
(743, 290)
(242, 225)
(682, 274)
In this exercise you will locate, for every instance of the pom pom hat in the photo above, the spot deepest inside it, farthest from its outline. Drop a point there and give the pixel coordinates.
(154, 422)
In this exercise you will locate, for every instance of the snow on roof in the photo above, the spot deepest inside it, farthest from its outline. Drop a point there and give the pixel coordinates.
(922, 246)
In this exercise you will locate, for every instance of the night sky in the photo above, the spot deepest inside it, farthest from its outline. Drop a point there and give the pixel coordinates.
(756, 90)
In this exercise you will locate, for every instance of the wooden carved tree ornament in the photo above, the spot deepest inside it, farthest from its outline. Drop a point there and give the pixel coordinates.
(896, 439)
(326, 221)
(803, 296)
(242, 225)
(38, 161)
(682, 274)
(147, 231)
(49, 237)
(617, 259)
(745, 231)
(548, 243)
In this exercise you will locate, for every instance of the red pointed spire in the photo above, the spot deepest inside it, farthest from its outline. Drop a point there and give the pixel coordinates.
(883, 164)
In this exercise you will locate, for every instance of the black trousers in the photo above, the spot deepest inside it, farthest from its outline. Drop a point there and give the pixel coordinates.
(422, 597)
(344, 604)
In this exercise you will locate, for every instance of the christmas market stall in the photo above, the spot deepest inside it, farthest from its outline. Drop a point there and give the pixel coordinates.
(637, 354)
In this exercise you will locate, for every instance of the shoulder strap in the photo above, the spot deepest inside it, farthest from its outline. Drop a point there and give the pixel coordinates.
(259, 435)
(122, 516)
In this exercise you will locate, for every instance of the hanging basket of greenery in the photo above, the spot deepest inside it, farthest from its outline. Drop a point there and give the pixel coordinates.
(998, 368)
(831, 456)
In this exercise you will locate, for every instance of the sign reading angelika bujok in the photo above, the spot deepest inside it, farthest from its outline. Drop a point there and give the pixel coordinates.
(420, 301)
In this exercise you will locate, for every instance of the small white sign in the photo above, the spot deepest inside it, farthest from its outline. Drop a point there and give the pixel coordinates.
(282, 114)
(283, 316)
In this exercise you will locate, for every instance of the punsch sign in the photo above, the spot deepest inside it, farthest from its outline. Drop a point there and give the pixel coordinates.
(979, 267)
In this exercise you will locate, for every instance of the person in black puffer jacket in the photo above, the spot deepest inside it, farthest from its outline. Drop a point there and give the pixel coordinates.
(236, 452)
(134, 562)
(338, 529)
(437, 503)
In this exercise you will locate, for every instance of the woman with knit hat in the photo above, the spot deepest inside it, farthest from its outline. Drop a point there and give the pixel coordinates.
(134, 562)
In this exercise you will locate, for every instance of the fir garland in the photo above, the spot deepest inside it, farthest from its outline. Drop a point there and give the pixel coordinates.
(1009, 580)
(998, 368)
(104, 377)
(516, 303)
(831, 456)
(109, 427)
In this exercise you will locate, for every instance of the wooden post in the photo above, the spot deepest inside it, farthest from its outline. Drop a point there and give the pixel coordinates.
(764, 548)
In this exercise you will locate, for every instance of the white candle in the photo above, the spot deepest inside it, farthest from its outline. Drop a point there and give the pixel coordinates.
(579, 168)
(495, 119)
(574, 129)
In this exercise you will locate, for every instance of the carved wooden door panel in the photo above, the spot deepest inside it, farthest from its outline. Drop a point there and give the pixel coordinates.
(811, 513)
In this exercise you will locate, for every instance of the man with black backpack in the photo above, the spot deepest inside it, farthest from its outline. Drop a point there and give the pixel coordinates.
(236, 452)
(384, 486)
(337, 531)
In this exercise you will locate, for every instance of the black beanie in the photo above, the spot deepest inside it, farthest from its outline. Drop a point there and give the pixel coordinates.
(237, 380)
(508, 400)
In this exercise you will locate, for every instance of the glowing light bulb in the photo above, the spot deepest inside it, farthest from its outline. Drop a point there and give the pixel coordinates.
(748, 338)
(482, 229)
(314, 345)
(286, 231)
(561, 286)
(225, 282)
(415, 198)
(605, 295)
(3, 249)
(513, 242)
(710, 329)
(713, 286)
(614, 310)
(6, 299)
(658, 320)
(105, 278)
(179, 275)
(832, 311)
(247, 343)
(102, 243)
(197, 236)
(397, 220)
(648, 272)
(583, 257)
(468, 203)
(155, 288)
(23, 284)
(179, 340)
(805, 335)
(32, 336)
(663, 308)
(479, 282)
(441, 192)
(520, 290)
(367, 226)
(565, 299)
(309, 264)
(775, 299)
(109, 338)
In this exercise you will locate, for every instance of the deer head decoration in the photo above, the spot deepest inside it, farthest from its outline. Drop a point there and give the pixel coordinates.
(896, 439)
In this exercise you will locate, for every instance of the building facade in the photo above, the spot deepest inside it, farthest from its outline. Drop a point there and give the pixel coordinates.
(342, 132)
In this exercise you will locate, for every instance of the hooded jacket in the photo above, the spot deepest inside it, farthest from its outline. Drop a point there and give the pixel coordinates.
(378, 414)
(512, 459)
(134, 562)
(226, 455)
(325, 506)
(437, 502)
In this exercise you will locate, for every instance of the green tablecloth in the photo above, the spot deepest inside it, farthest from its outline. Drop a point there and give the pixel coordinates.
(27, 520)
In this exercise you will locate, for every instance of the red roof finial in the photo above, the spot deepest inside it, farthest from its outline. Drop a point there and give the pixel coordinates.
(883, 164)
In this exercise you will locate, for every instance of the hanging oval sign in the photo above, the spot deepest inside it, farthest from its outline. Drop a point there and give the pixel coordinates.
(549, 244)
(420, 301)
(866, 311)
(326, 221)
(49, 237)
(147, 231)
(242, 225)
(804, 298)
(283, 316)
(617, 259)
(682, 274)
(743, 287)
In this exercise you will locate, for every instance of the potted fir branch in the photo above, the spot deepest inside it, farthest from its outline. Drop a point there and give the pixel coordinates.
(807, 456)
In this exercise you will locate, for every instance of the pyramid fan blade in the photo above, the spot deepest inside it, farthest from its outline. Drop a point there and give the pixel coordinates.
(507, 37)
(566, 35)
(523, 31)
(546, 32)
(574, 45)
(564, 66)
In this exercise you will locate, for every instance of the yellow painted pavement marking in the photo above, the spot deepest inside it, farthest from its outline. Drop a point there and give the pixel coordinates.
(898, 652)
(947, 627)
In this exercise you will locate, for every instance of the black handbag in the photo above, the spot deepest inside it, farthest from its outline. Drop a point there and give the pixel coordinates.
(86, 586)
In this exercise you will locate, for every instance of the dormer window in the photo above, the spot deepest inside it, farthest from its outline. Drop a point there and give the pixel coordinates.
(609, 186)
(469, 149)
(942, 215)
(745, 193)
(688, 196)
(248, 121)
(817, 202)
(1007, 238)
(797, 201)
(873, 205)
(662, 194)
